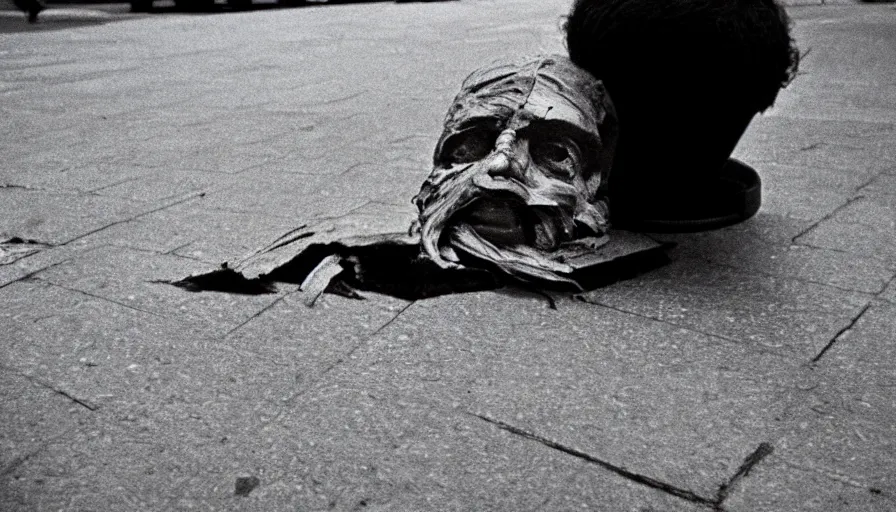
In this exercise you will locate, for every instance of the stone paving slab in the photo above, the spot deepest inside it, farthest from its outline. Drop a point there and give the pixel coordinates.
(854, 405)
(784, 315)
(9, 274)
(779, 486)
(843, 446)
(205, 425)
(659, 400)
(882, 188)
(114, 466)
(32, 414)
(797, 195)
(889, 294)
(752, 248)
(113, 147)
(60, 218)
(283, 330)
(290, 195)
(785, 140)
(365, 449)
(293, 334)
(843, 101)
(192, 231)
(818, 165)
(863, 227)
(44, 258)
(76, 179)
(132, 279)
(156, 388)
(844, 80)
(162, 185)
(65, 337)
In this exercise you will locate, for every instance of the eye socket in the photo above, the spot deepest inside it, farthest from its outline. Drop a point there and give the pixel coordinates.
(552, 152)
(559, 156)
(468, 146)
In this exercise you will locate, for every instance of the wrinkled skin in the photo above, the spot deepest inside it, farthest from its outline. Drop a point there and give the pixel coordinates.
(519, 169)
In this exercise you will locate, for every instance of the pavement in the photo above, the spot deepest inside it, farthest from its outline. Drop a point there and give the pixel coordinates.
(755, 372)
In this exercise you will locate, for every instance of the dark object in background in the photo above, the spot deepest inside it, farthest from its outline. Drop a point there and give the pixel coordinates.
(686, 77)
(210, 5)
(31, 7)
(183, 5)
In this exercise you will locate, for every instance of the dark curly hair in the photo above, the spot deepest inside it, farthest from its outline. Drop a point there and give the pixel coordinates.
(698, 44)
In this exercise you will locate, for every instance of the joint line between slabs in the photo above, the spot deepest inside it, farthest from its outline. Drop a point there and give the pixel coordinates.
(256, 315)
(840, 333)
(621, 471)
(795, 239)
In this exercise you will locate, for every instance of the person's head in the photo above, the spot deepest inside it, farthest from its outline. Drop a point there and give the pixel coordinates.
(686, 77)
(690, 46)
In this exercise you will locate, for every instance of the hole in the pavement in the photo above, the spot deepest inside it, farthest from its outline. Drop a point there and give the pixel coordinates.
(225, 280)
(15, 248)
(393, 265)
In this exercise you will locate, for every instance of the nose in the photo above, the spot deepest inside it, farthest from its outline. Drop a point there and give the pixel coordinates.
(509, 158)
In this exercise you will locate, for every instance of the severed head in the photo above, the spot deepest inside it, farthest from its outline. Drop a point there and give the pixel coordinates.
(519, 171)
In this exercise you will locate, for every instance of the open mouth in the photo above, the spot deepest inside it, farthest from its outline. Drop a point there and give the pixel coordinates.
(501, 222)
(509, 222)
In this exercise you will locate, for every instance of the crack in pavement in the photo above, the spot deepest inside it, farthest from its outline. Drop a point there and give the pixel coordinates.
(831, 475)
(18, 461)
(285, 239)
(30, 275)
(95, 191)
(16, 248)
(832, 249)
(257, 314)
(355, 348)
(20, 187)
(879, 295)
(688, 328)
(341, 359)
(741, 270)
(619, 470)
(135, 217)
(761, 452)
(83, 403)
(17, 240)
(173, 252)
(98, 297)
(837, 477)
(391, 320)
(828, 216)
(840, 333)
(154, 252)
(332, 101)
(715, 503)
(880, 174)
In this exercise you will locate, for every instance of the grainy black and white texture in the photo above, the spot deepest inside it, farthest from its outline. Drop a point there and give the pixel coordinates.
(753, 373)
